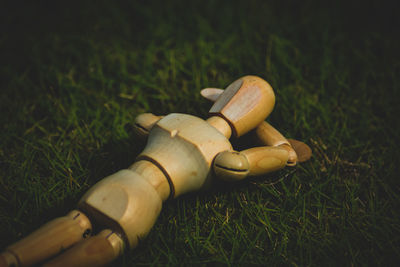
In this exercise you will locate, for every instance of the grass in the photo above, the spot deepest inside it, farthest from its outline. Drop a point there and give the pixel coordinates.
(74, 76)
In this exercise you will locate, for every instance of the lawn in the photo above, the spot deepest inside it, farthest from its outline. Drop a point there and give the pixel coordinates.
(73, 77)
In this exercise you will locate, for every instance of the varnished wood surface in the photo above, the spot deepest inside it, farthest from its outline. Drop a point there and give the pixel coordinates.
(98, 250)
(211, 94)
(124, 201)
(264, 160)
(182, 154)
(231, 166)
(143, 124)
(303, 151)
(269, 136)
(245, 103)
(221, 125)
(51, 238)
(184, 146)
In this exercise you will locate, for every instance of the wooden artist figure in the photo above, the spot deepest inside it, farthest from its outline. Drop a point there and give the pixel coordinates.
(183, 154)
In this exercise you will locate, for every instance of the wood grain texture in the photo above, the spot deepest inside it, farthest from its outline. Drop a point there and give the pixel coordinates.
(51, 238)
(269, 136)
(263, 160)
(154, 176)
(179, 152)
(221, 125)
(245, 103)
(98, 250)
(125, 202)
(211, 94)
(184, 146)
(231, 166)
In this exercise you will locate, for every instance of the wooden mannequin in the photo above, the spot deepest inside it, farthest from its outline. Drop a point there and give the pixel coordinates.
(182, 155)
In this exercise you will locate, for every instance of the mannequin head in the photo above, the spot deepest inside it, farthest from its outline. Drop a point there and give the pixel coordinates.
(244, 104)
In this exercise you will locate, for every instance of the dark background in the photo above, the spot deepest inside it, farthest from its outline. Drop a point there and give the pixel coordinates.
(73, 76)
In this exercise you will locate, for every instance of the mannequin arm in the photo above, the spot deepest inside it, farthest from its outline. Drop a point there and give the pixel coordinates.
(269, 136)
(276, 154)
(144, 122)
(298, 151)
(234, 166)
